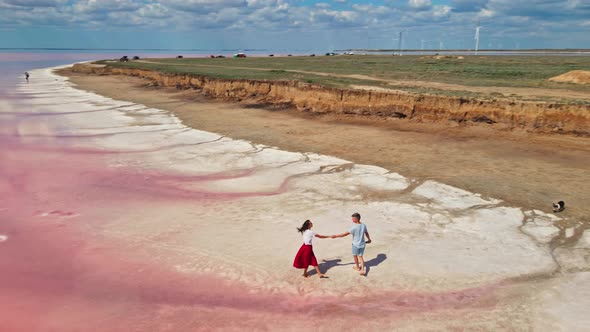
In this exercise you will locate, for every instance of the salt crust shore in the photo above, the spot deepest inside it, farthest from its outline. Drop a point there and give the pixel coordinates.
(428, 236)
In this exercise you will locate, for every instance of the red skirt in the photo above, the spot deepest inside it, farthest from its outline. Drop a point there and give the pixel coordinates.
(305, 257)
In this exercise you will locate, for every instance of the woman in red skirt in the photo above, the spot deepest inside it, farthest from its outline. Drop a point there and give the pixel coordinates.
(305, 256)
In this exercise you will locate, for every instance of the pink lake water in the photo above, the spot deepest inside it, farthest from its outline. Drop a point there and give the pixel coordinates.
(117, 217)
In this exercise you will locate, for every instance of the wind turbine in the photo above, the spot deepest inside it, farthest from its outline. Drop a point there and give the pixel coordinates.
(477, 28)
(400, 41)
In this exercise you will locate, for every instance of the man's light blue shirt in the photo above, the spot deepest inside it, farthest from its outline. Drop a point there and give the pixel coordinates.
(358, 235)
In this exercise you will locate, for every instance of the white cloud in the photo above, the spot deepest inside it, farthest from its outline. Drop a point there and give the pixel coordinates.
(106, 6)
(34, 3)
(468, 5)
(486, 13)
(511, 19)
(155, 11)
(441, 11)
(420, 4)
(203, 6)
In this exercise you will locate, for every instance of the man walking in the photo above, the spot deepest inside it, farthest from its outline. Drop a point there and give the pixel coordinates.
(358, 231)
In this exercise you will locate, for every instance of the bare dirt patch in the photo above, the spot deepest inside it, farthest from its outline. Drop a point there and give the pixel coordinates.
(574, 76)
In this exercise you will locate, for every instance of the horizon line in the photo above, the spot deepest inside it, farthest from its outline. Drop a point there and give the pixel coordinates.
(266, 49)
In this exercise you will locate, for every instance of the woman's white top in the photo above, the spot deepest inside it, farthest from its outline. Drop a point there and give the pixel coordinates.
(308, 236)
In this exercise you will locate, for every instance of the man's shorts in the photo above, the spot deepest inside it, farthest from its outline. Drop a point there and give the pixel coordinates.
(357, 251)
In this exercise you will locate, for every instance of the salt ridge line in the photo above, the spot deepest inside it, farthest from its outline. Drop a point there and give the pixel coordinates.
(464, 194)
(429, 190)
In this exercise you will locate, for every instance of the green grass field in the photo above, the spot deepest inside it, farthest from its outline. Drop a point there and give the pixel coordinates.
(500, 71)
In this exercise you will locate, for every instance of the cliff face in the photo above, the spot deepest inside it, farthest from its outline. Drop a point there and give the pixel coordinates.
(531, 116)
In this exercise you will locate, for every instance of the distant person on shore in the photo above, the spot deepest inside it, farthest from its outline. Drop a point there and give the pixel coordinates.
(27, 76)
(305, 256)
(358, 231)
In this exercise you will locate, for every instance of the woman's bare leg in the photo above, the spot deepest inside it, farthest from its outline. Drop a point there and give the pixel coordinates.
(320, 274)
(305, 275)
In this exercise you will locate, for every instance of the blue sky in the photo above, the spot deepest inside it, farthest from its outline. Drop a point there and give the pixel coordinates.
(293, 24)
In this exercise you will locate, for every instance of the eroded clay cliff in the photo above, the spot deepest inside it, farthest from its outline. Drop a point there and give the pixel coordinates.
(531, 116)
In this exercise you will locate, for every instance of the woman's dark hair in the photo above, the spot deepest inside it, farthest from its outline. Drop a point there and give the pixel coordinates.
(304, 227)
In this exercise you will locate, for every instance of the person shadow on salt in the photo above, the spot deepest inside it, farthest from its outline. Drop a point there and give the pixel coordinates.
(374, 262)
(326, 265)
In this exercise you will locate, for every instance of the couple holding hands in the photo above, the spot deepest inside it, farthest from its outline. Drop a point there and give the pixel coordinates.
(305, 256)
